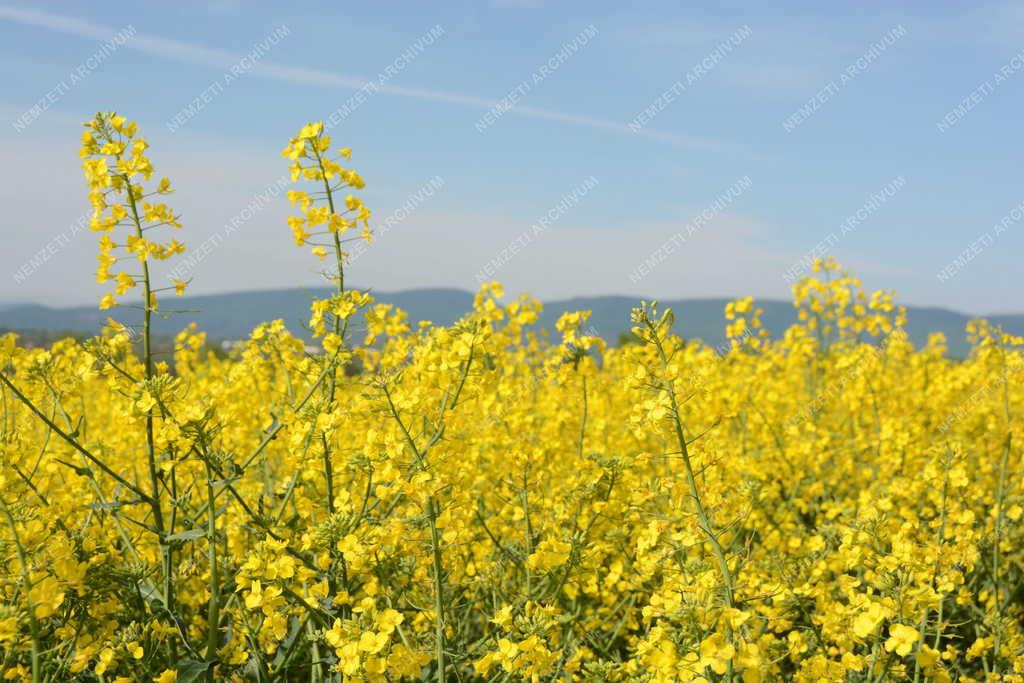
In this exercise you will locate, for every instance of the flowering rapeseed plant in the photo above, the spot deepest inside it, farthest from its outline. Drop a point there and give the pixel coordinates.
(477, 502)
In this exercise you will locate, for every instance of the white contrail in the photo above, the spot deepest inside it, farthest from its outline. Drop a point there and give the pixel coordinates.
(197, 54)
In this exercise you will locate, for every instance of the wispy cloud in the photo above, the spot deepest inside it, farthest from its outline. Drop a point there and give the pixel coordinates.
(191, 53)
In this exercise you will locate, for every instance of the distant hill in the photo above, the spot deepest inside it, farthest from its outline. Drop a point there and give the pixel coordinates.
(232, 316)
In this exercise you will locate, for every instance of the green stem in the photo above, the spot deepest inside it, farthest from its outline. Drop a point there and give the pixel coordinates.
(703, 516)
(147, 351)
(706, 525)
(213, 610)
(435, 543)
(583, 420)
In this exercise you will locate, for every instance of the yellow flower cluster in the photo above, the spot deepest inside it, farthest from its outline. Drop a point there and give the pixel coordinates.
(478, 502)
(115, 164)
(312, 160)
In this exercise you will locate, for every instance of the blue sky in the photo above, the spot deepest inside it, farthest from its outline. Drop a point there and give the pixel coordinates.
(895, 73)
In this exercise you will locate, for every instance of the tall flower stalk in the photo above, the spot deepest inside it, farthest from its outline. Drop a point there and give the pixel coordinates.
(324, 225)
(115, 164)
(655, 333)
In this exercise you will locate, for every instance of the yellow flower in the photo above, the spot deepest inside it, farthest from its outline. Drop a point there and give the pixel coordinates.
(549, 554)
(901, 639)
(927, 657)
(47, 596)
(716, 652)
(108, 301)
(865, 623)
(105, 660)
(8, 629)
(388, 620)
(372, 642)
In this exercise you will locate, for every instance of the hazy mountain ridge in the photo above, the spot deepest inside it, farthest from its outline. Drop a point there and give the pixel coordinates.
(233, 315)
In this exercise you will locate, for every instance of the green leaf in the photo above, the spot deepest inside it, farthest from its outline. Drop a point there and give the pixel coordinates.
(190, 670)
(186, 536)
